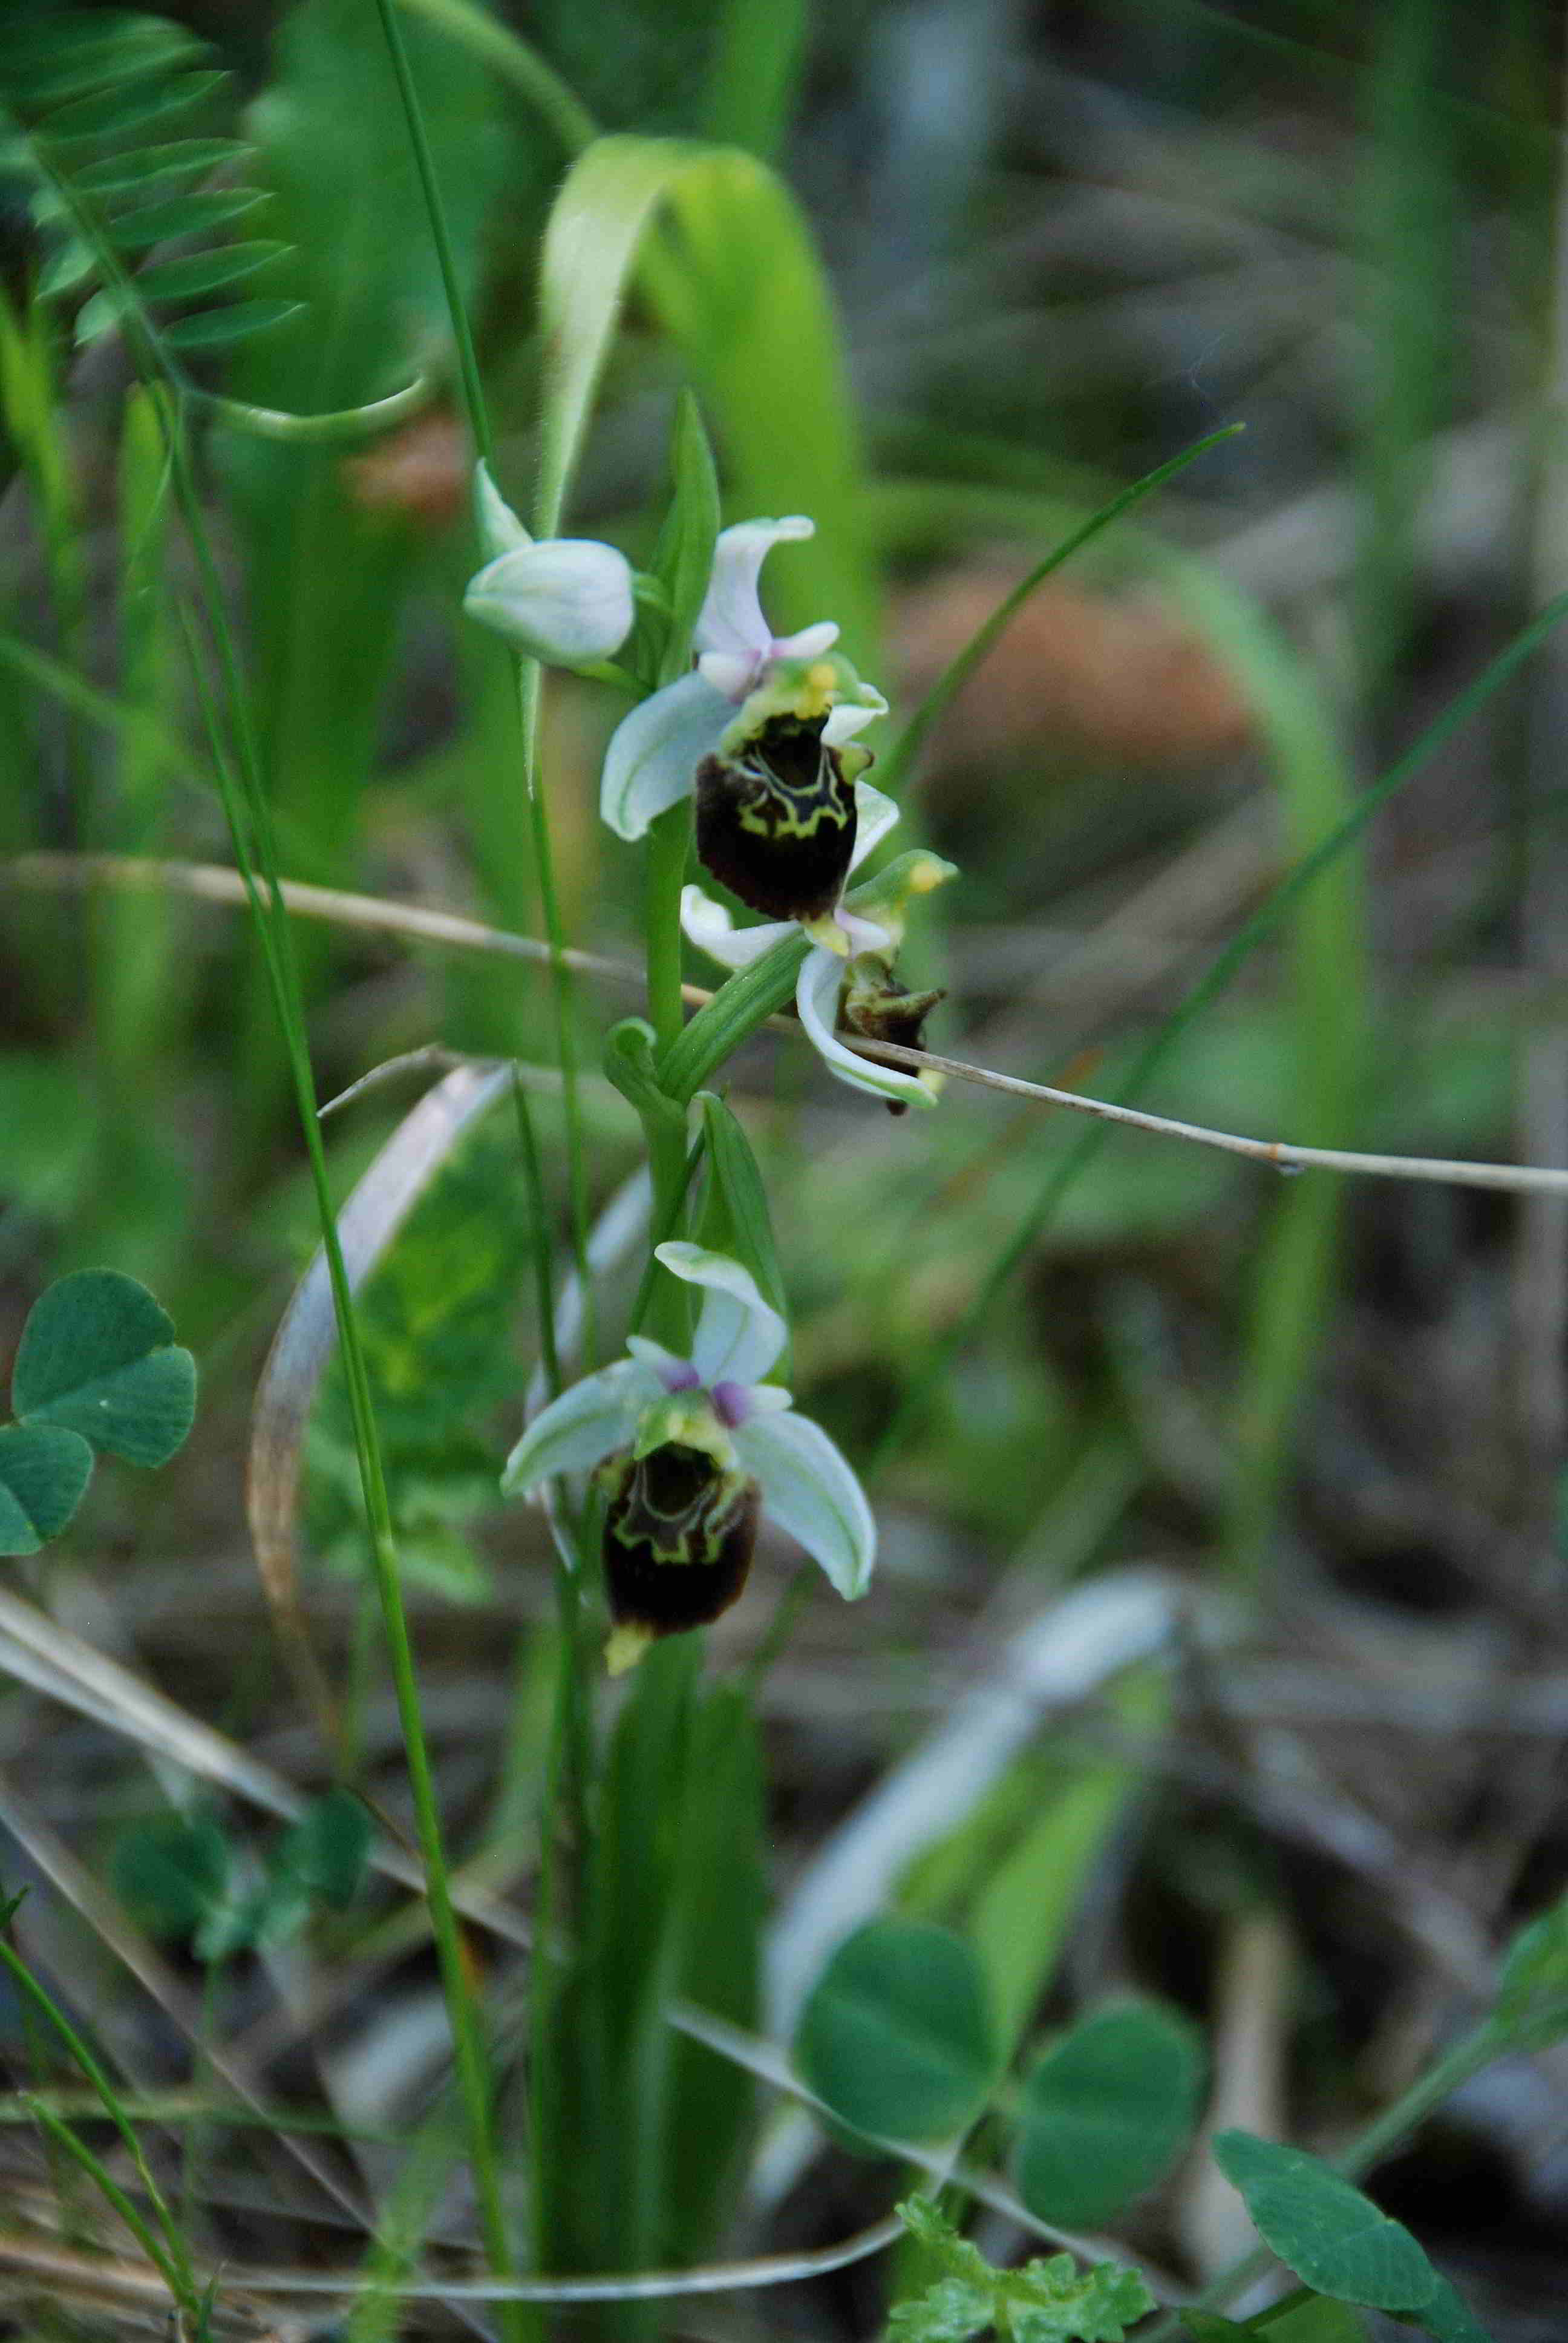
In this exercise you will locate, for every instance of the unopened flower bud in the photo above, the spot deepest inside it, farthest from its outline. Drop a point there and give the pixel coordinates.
(568, 601)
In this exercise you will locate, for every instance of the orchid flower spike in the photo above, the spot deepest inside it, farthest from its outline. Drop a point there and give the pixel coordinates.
(569, 601)
(760, 733)
(850, 966)
(696, 1448)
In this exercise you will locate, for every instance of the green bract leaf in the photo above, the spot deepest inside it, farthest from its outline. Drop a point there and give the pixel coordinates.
(896, 2038)
(43, 1474)
(1333, 2237)
(1044, 2302)
(738, 1221)
(98, 1355)
(1533, 1994)
(1106, 2111)
(683, 557)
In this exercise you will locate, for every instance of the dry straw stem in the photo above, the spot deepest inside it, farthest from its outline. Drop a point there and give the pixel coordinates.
(214, 883)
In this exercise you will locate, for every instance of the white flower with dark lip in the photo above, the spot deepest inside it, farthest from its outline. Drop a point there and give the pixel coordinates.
(569, 601)
(652, 759)
(714, 1408)
(844, 943)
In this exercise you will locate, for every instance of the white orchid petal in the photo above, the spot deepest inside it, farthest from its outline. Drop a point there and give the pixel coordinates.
(739, 1335)
(588, 1421)
(809, 643)
(809, 1490)
(675, 1373)
(652, 759)
(816, 1000)
(847, 719)
(861, 934)
(731, 619)
(500, 530)
(765, 1398)
(713, 930)
(731, 672)
(875, 816)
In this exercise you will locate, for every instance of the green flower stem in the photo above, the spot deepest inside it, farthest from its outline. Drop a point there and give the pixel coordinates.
(528, 683)
(667, 846)
(563, 994)
(467, 2048)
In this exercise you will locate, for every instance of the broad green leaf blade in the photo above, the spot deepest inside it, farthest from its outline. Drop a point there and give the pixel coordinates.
(43, 1474)
(1207, 2327)
(753, 312)
(1448, 2318)
(98, 1355)
(896, 2038)
(1106, 2111)
(219, 329)
(604, 205)
(192, 215)
(1334, 2238)
(720, 1905)
(195, 273)
(745, 299)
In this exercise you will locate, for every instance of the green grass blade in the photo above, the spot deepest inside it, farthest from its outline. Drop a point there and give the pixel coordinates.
(911, 1408)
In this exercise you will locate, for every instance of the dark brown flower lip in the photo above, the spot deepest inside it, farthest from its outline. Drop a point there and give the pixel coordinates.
(678, 1537)
(776, 821)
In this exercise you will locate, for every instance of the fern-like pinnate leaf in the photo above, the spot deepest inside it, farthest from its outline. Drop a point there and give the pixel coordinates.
(106, 117)
(1046, 2301)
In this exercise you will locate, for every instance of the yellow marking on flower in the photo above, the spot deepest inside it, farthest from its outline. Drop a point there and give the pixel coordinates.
(825, 930)
(624, 1646)
(927, 874)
